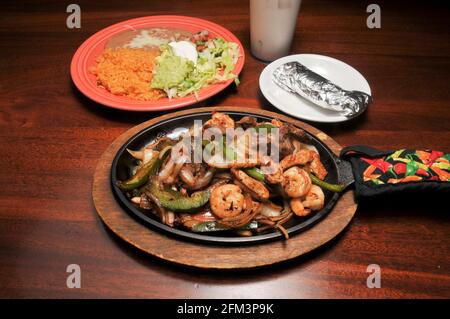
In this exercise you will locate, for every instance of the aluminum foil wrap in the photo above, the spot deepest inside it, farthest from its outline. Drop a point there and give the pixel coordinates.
(296, 78)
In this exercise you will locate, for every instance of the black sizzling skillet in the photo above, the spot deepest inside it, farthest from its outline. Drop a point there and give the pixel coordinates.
(339, 172)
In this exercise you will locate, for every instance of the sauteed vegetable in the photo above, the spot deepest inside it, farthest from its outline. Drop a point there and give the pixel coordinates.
(233, 186)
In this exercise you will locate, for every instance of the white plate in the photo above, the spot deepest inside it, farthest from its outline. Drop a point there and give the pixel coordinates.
(334, 70)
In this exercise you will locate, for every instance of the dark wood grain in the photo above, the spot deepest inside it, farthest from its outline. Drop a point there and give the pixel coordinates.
(51, 138)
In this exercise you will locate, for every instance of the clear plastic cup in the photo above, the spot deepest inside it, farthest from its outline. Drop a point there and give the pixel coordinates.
(272, 26)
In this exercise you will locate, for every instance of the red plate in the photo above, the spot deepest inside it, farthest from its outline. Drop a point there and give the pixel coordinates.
(86, 55)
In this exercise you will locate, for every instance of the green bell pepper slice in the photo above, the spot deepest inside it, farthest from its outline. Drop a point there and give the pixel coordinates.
(336, 188)
(141, 176)
(176, 202)
(255, 173)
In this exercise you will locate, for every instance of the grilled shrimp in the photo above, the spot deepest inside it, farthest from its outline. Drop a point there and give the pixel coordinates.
(317, 167)
(298, 208)
(304, 157)
(301, 157)
(254, 187)
(296, 182)
(276, 123)
(315, 198)
(227, 201)
(272, 171)
(221, 121)
(247, 121)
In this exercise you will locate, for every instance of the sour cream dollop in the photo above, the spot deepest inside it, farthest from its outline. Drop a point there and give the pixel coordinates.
(185, 49)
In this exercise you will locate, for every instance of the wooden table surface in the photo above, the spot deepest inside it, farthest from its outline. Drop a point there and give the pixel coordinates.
(51, 137)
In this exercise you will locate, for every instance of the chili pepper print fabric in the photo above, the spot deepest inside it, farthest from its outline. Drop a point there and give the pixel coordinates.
(407, 166)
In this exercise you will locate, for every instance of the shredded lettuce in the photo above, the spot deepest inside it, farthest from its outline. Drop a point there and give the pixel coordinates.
(178, 76)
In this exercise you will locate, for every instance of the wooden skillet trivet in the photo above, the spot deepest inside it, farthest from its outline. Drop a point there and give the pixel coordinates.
(199, 255)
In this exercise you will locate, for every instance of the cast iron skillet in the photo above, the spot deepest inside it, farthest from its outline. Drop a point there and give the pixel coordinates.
(339, 171)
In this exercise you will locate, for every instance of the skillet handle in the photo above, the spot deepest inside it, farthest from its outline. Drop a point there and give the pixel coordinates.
(345, 171)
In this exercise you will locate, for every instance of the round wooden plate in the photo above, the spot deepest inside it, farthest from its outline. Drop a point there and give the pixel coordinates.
(206, 255)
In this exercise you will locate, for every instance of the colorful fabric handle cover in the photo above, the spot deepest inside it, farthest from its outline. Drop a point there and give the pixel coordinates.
(383, 172)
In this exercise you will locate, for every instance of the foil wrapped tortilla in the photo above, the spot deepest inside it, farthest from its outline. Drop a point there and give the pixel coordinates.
(296, 78)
